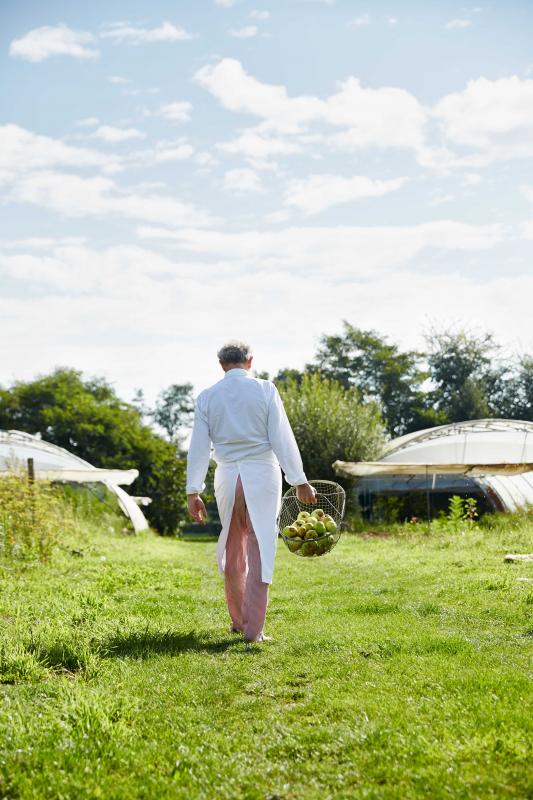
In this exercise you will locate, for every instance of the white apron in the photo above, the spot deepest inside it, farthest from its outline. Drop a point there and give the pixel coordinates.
(261, 483)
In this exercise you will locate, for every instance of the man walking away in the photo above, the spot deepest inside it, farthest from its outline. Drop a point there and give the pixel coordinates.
(244, 419)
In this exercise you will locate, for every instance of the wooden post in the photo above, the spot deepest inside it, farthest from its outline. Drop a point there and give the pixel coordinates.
(428, 507)
(31, 481)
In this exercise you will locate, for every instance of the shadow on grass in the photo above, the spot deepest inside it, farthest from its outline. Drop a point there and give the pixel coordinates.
(145, 643)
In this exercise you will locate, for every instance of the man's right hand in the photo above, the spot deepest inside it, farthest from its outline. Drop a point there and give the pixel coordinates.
(306, 493)
(197, 508)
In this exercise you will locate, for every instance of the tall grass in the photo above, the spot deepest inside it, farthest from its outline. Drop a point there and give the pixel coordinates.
(37, 517)
(31, 517)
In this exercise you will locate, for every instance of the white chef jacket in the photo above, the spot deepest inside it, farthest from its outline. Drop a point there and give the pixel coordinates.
(245, 421)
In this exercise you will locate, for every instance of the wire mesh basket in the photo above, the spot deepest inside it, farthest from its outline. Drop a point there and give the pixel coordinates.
(312, 529)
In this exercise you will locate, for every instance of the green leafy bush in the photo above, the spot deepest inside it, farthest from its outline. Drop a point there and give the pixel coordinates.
(330, 422)
(85, 416)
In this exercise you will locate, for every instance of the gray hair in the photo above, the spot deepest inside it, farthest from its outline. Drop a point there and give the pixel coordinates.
(234, 352)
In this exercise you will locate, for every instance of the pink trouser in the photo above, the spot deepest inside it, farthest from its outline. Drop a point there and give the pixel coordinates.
(246, 594)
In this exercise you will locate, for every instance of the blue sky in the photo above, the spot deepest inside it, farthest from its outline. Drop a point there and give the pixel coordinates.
(178, 174)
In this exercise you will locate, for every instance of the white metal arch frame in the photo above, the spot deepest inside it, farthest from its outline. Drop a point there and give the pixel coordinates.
(487, 450)
(52, 462)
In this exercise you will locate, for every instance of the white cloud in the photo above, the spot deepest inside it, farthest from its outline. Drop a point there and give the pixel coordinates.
(493, 117)
(108, 133)
(260, 15)
(238, 91)
(118, 79)
(59, 40)
(131, 34)
(527, 229)
(205, 159)
(358, 22)
(248, 32)
(40, 242)
(176, 112)
(385, 117)
(165, 150)
(137, 92)
(472, 178)
(22, 151)
(75, 196)
(458, 23)
(242, 181)
(88, 122)
(527, 192)
(392, 20)
(441, 198)
(225, 3)
(341, 250)
(319, 192)
(278, 217)
(133, 293)
(252, 144)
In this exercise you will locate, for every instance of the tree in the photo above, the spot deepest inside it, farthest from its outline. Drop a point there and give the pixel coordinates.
(516, 400)
(381, 372)
(87, 418)
(330, 422)
(174, 410)
(464, 370)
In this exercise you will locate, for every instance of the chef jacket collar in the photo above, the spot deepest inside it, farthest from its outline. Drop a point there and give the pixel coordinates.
(239, 371)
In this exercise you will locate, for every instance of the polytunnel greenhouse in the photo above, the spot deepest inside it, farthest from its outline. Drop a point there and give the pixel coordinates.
(490, 460)
(50, 462)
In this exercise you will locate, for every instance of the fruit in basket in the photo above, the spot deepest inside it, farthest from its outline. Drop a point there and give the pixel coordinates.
(301, 530)
(318, 513)
(303, 516)
(294, 544)
(331, 527)
(308, 549)
(320, 528)
(310, 533)
(290, 531)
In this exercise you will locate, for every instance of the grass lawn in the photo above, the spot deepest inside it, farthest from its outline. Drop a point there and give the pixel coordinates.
(399, 669)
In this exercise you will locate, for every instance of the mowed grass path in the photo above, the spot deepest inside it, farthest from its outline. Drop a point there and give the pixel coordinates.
(399, 669)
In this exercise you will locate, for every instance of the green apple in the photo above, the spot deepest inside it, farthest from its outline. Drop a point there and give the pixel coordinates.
(329, 542)
(318, 513)
(331, 526)
(303, 516)
(320, 528)
(321, 546)
(308, 549)
(294, 545)
(291, 531)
